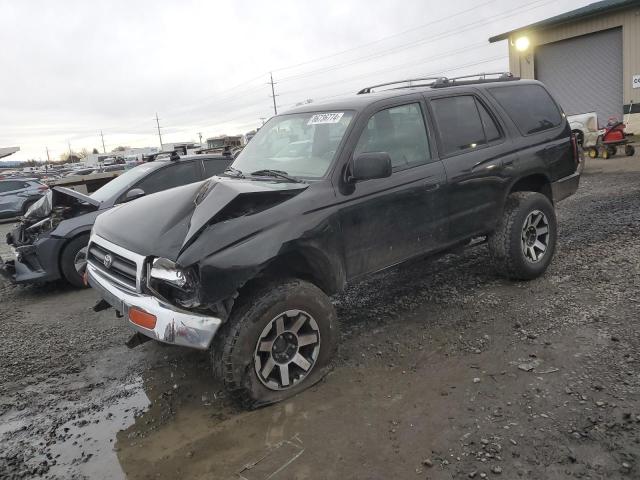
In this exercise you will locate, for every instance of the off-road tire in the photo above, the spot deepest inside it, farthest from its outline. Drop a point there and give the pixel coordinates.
(234, 348)
(505, 242)
(67, 258)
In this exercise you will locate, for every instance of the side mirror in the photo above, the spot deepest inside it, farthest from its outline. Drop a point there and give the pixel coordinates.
(368, 166)
(133, 194)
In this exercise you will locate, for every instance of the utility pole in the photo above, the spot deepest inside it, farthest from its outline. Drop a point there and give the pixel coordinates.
(48, 159)
(159, 134)
(200, 135)
(104, 150)
(273, 95)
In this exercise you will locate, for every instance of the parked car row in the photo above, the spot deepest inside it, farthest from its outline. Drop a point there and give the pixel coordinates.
(18, 194)
(244, 263)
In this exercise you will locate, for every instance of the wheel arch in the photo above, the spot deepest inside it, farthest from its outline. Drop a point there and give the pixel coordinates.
(68, 240)
(535, 182)
(305, 263)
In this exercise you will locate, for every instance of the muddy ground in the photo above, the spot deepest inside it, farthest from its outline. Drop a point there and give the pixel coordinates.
(445, 371)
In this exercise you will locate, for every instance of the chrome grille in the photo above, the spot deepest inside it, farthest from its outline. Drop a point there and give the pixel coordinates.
(115, 262)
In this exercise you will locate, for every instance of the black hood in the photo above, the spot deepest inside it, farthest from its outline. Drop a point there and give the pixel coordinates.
(163, 224)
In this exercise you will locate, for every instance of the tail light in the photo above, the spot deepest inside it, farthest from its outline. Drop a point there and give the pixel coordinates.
(574, 147)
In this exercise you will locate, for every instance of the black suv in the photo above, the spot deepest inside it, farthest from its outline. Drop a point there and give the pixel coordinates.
(243, 264)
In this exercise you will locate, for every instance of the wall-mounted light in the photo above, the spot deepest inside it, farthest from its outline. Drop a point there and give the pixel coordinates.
(522, 44)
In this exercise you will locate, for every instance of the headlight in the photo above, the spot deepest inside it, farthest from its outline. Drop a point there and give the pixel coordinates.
(166, 271)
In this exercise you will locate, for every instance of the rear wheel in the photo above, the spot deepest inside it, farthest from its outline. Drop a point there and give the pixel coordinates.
(73, 261)
(593, 152)
(605, 154)
(278, 341)
(629, 150)
(524, 241)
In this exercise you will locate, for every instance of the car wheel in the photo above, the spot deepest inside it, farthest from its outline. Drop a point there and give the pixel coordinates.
(278, 341)
(629, 150)
(524, 241)
(73, 261)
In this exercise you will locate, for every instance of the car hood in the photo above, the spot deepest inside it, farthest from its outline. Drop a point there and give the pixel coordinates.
(165, 223)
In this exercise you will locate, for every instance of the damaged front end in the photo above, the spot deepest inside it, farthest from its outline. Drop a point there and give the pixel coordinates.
(33, 239)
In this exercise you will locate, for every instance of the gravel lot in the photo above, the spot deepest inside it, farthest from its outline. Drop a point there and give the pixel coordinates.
(445, 371)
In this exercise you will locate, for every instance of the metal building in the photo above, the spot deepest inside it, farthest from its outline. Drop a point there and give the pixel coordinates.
(589, 58)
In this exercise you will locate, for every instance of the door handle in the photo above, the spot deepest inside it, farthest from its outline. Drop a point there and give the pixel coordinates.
(431, 187)
(508, 163)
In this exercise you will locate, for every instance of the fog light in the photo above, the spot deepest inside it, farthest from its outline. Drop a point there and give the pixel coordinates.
(142, 318)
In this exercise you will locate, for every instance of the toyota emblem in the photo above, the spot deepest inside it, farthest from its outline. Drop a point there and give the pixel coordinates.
(108, 260)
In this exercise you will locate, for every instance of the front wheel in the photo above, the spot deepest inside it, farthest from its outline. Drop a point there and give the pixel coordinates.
(524, 241)
(73, 261)
(278, 341)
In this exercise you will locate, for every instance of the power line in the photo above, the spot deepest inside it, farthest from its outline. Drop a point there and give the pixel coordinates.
(433, 22)
(415, 43)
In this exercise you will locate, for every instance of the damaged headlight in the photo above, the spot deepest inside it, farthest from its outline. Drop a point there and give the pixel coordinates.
(177, 285)
(165, 270)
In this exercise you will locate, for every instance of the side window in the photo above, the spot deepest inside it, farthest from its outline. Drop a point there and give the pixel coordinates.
(215, 166)
(530, 107)
(491, 130)
(11, 186)
(399, 131)
(458, 122)
(175, 175)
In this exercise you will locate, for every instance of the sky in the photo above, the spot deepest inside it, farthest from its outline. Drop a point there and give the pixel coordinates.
(71, 69)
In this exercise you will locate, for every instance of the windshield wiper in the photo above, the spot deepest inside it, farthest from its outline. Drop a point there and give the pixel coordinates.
(276, 174)
(234, 171)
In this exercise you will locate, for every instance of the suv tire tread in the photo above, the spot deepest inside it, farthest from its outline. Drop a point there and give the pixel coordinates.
(504, 249)
(236, 371)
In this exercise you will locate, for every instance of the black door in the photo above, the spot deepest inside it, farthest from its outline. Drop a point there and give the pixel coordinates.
(386, 221)
(475, 154)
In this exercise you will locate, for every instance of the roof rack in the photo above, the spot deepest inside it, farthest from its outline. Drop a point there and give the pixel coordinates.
(409, 81)
(476, 78)
(440, 82)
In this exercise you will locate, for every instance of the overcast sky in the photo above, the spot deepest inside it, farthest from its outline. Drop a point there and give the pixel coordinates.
(69, 69)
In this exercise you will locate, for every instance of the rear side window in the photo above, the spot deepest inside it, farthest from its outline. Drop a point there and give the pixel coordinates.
(530, 107)
(215, 166)
(463, 123)
(400, 132)
(175, 175)
(12, 185)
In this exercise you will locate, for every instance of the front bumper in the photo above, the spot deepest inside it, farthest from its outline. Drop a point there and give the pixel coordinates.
(33, 263)
(173, 325)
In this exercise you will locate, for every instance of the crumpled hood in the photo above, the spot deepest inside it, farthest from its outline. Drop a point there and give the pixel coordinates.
(163, 224)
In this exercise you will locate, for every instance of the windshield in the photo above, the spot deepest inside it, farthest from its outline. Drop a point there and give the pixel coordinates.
(115, 186)
(301, 144)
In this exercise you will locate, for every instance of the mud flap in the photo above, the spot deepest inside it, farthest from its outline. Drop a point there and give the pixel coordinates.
(136, 339)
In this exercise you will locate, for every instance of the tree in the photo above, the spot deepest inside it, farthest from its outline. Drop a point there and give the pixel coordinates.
(72, 157)
(120, 149)
(84, 153)
(95, 151)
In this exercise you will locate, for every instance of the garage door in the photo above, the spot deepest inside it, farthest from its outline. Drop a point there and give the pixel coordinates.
(584, 73)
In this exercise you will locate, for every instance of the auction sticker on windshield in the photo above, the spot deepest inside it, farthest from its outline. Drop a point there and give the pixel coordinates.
(319, 118)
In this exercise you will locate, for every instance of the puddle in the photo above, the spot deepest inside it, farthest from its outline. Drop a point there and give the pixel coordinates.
(86, 445)
(78, 439)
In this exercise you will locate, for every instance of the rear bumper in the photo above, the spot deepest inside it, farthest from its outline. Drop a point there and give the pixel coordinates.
(173, 325)
(565, 187)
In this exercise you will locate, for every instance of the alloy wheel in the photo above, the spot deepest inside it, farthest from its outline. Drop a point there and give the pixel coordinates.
(287, 350)
(535, 236)
(80, 261)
